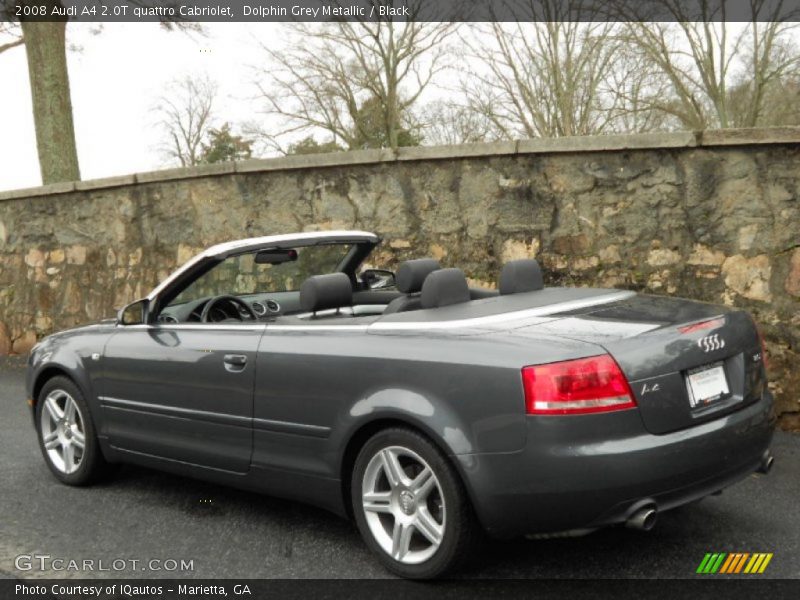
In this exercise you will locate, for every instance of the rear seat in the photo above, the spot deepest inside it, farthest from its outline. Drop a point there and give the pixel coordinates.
(409, 279)
(444, 288)
(520, 276)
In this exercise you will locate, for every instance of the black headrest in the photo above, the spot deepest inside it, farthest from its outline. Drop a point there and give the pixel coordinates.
(443, 288)
(521, 276)
(412, 273)
(321, 292)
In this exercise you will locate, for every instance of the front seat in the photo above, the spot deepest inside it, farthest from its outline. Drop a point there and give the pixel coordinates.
(519, 276)
(444, 288)
(325, 292)
(409, 279)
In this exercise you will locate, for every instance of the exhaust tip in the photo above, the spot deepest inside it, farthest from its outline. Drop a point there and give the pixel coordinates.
(766, 464)
(643, 520)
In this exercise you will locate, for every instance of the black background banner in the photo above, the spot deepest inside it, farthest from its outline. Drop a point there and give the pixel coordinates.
(399, 10)
(279, 589)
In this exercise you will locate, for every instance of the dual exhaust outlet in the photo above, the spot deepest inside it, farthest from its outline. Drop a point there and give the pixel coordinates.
(766, 463)
(644, 518)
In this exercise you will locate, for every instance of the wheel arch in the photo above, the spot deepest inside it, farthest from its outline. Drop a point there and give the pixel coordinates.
(56, 369)
(366, 430)
(45, 375)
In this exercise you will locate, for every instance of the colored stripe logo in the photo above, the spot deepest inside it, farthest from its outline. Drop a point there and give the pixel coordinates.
(734, 563)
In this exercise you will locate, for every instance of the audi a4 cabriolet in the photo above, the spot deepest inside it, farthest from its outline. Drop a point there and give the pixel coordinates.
(424, 409)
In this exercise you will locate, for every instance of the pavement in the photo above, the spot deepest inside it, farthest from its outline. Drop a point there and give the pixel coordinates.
(141, 515)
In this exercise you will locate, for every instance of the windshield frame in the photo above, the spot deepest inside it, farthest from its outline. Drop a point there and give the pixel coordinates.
(363, 243)
(337, 268)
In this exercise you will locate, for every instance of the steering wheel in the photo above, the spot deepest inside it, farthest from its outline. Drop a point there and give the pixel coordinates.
(230, 299)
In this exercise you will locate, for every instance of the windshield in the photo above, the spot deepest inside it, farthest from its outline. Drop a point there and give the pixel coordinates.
(241, 275)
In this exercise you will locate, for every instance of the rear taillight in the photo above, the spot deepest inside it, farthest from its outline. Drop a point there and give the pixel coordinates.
(587, 385)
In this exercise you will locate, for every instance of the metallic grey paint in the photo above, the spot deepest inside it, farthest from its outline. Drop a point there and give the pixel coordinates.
(279, 416)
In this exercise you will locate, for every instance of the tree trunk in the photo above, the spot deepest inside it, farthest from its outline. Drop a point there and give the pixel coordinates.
(52, 106)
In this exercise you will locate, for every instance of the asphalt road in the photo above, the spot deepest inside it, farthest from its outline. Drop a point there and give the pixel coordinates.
(143, 515)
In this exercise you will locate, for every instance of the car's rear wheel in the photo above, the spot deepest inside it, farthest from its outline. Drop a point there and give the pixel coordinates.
(410, 505)
(66, 433)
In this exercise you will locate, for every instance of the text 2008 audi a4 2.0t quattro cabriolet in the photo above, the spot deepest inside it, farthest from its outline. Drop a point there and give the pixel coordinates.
(422, 408)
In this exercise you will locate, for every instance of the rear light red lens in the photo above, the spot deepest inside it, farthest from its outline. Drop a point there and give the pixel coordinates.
(587, 385)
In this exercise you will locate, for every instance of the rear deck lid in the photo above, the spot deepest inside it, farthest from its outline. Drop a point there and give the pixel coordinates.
(687, 362)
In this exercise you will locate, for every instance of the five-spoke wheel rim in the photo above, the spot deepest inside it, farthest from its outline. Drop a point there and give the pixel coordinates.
(403, 505)
(63, 433)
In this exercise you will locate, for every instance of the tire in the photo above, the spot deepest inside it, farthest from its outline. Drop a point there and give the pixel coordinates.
(416, 516)
(63, 417)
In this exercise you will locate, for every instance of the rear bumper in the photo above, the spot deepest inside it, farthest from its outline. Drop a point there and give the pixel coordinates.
(595, 470)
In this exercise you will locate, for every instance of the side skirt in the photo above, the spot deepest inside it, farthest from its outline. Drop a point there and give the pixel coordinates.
(322, 492)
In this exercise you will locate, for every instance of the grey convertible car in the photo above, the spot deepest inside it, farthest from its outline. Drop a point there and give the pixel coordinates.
(423, 409)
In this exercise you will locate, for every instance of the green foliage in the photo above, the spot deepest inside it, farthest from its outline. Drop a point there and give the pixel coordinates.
(224, 146)
(372, 127)
(309, 145)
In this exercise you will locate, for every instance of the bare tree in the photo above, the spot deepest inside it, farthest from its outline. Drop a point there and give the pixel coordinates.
(45, 48)
(706, 59)
(185, 115)
(49, 81)
(10, 36)
(448, 123)
(354, 81)
(633, 83)
(781, 105)
(547, 78)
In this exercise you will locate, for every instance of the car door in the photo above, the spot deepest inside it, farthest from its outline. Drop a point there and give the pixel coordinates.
(183, 392)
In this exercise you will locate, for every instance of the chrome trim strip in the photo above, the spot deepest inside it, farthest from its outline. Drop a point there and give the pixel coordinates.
(219, 418)
(227, 247)
(578, 404)
(174, 411)
(313, 328)
(541, 311)
(290, 427)
(193, 327)
(260, 327)
(507, 317)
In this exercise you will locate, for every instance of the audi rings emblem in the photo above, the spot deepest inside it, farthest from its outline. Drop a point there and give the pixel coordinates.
(710, 343)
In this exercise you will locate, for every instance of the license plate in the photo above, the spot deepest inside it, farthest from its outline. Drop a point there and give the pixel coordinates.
(706, 385)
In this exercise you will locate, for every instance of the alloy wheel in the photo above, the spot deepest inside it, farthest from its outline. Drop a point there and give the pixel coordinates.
(403, 505)
(63, 433)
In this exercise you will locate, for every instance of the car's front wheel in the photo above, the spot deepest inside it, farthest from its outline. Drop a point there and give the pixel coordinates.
(410, 505)
(66, 433)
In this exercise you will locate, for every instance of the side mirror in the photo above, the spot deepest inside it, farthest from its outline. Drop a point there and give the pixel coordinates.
(133, 314)
(378, 279)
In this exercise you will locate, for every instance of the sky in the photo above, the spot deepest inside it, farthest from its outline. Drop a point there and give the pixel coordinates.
(116, 77)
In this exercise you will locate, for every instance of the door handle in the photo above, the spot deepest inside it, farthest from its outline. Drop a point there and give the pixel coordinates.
(235, 360)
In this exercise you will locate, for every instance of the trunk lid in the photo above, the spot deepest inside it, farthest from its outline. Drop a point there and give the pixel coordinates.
(687, 362)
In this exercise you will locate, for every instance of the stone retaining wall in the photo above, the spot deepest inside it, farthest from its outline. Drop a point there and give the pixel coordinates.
(708, 215)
